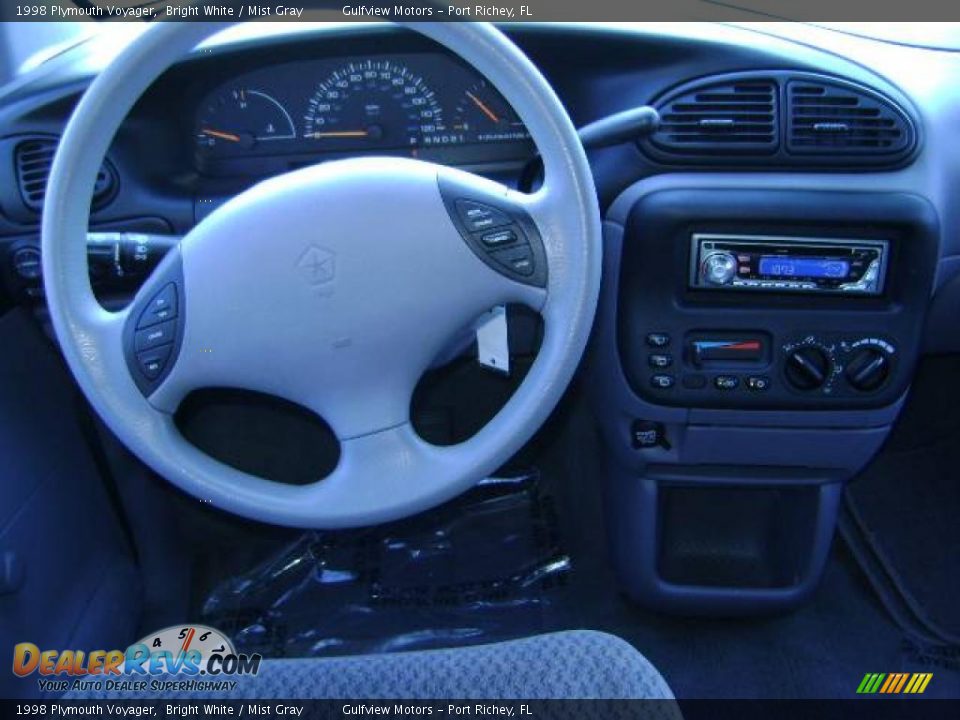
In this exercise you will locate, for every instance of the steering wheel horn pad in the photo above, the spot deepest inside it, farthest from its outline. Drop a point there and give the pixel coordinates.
(335, 287)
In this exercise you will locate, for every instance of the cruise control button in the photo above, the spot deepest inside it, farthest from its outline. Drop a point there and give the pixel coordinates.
(662, 382)
(153, 336)
(518, 259)
(658, 340)
(758, 383)
(660, 361)
(162, 307)
(477, 216)
(499, 238)
(726, 382)
(153, 362)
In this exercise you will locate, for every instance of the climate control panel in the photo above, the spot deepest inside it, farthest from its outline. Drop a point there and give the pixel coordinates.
(703, 368)
(838, 365)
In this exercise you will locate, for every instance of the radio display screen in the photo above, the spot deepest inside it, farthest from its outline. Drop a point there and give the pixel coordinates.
(778, 266)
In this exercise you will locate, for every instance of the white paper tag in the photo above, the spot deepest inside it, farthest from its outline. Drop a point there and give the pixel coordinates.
(493, 346)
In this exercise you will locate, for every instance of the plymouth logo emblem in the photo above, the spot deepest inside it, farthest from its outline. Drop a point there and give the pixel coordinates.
(317, 265)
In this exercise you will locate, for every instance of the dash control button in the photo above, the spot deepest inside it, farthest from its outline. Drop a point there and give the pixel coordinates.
(154, 336)
(646, 434)
(477, 216)
(694, 382)
(658, 340)
(660, 361)
(662, 382)
(726, 382)
(162, 307)
(153, 362)
(758, 383)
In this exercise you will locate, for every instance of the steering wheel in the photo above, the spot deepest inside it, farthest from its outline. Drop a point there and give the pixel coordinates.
(333, 287)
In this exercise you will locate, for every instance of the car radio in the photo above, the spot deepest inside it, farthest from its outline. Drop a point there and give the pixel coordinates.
(788, 264)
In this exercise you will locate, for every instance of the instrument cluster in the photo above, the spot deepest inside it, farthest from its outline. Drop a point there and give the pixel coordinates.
(424, 105)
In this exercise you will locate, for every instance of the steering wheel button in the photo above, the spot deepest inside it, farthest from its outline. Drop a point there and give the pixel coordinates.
(153, 362)
(151, 337)
(477, 216)
(499, 238)
(518, 259)
(162, 307)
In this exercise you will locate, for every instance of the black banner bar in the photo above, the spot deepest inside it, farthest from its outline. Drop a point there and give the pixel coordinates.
(486, 10)
(868, 709)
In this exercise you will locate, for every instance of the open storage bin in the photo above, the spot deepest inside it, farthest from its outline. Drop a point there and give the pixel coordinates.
(755, 537)
(693, 540)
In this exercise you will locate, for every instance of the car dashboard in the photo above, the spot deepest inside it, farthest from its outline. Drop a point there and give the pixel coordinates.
(777, 256)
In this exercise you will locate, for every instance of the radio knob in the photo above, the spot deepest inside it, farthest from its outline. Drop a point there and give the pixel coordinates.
(719, 268)
(867, 369)
(808, 368)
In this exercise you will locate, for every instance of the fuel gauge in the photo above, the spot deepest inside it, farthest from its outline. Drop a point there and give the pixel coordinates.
(236, 121)
(482, 116)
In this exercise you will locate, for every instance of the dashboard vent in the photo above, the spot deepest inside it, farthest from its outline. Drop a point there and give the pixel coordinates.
(736, 117)
(826, 118)
(33, 158)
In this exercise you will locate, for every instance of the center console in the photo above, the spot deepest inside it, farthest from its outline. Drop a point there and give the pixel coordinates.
(754, 346)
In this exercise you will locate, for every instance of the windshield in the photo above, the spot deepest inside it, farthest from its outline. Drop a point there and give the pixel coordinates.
(942, 36)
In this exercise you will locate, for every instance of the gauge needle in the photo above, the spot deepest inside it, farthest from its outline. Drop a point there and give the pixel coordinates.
(340, 133)
(220, 134)
(486, 111)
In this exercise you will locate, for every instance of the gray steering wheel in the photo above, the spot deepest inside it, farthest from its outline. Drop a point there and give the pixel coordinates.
(334, 287)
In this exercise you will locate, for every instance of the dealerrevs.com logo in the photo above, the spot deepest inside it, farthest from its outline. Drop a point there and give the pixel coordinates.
(176, 659)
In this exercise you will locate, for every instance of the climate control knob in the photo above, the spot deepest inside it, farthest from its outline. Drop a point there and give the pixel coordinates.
(867, 369)
(719, 268)
(808, 367)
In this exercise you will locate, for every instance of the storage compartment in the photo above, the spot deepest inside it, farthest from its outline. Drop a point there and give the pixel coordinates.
(756, 537)
(721, 539)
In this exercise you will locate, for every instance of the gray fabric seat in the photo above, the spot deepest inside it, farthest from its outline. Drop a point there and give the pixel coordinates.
(577, 664)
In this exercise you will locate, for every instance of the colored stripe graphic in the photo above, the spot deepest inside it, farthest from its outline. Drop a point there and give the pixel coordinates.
(894, 683)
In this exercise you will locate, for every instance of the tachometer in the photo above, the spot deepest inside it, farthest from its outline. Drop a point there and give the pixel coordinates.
(237, 120)
(482, 115)
(373, 104)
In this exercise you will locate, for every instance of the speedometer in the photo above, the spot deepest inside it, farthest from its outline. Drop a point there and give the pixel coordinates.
(373, 104)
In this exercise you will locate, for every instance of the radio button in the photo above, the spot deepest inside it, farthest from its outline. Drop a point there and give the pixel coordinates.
(658, 340)
(719, 268)
(726, 382)
(662, 382)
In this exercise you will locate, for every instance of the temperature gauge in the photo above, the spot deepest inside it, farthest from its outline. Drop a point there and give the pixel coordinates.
(482, 115)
